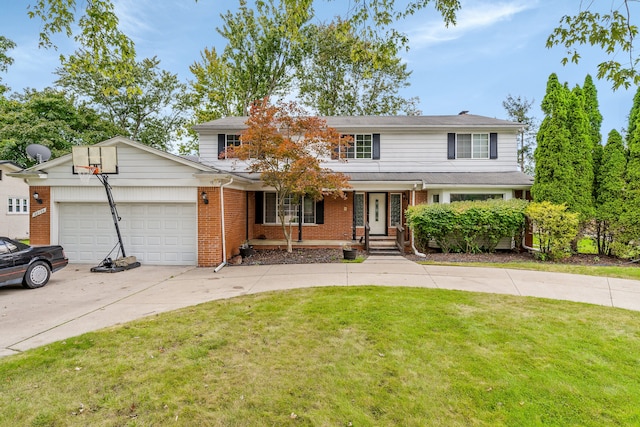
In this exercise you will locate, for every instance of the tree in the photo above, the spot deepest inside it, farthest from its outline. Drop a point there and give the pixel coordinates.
(149, 105)
(333, 82)
(518, 109)
(610, 192)
(630, 218)
(5, 60)
(554, 169)
(612, 32)
(590, 94)
(580, 153)
(286, 147)
(50, 118)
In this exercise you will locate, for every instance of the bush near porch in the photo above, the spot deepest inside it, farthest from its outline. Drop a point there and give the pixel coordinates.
(469, 227)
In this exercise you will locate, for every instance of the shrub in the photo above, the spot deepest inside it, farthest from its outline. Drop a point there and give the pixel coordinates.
(467, 226)
(555, 228)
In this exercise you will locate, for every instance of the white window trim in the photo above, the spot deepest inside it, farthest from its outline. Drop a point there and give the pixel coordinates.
(342, 154)
(17, 202)
(472, 144)
(277, 220)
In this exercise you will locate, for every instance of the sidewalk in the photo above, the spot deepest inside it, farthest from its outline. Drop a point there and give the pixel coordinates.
(77, 301)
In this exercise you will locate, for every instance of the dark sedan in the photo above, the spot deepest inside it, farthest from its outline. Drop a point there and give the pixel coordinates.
(30, 266)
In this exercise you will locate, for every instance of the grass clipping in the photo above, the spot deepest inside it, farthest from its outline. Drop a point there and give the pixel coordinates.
(340, 356)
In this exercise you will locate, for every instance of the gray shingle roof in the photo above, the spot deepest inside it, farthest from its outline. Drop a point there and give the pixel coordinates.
(382, 122)
(434, 179)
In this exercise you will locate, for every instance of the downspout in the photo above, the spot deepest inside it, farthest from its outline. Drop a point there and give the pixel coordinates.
(413, 240)
(224, 243)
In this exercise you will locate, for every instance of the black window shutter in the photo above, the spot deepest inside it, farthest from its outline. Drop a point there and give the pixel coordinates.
(320, 212)
(222, 139)
(493, 145)
(259, 207)
(451, 146)
(376, 146)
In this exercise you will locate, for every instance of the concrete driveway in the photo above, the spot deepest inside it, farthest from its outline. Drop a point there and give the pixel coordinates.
(76, 301)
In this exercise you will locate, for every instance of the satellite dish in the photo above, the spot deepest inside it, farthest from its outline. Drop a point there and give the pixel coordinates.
(38, 152)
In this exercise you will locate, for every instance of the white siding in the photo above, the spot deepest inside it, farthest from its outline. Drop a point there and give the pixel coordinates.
(402, 152)
(13, 225)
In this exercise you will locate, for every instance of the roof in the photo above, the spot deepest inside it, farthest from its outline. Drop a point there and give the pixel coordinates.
(436, 179)
(381, 122)
(11, 165)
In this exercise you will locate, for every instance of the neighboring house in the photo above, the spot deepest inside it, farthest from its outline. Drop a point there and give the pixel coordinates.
(14, 202)
(180, 211)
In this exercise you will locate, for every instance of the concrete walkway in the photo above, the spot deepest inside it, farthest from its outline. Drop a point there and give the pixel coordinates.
(77, 301)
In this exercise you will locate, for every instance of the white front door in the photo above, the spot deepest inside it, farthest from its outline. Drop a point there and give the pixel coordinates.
(378, 213)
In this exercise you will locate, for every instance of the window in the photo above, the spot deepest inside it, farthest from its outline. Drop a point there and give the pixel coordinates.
(396, 209)
(436, 198)
(232, 141)
(361, 147)
(472, 197)
(17, 206)
(472, 146)
(290, 208)
(359, 209)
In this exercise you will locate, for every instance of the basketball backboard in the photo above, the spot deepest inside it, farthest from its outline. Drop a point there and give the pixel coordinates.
(103, 159)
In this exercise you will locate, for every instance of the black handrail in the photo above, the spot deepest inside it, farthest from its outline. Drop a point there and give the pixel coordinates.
(400, 238)
(366, 236)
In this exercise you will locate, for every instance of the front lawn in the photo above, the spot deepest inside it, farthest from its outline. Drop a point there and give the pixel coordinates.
(339, 357)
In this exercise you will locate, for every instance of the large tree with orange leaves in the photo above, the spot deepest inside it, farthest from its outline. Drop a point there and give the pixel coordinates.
(287, 148)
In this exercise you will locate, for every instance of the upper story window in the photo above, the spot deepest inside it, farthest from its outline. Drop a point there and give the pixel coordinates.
(360, 147)
(472, 146)
(227, 141)
(17, 206)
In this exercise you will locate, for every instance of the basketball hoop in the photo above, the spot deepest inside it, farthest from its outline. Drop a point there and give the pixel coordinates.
(85, 172)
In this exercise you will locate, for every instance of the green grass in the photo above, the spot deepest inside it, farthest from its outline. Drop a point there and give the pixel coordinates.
(337, 357)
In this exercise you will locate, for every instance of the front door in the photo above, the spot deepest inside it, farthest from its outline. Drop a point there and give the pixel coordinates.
(378, 213)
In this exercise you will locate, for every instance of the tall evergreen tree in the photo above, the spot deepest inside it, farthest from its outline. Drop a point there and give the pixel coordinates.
(580, 152)
(610, 191)
(554, 168)
(630, 218)
(595, 123)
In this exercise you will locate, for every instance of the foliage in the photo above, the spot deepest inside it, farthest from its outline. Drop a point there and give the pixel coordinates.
(628, 240)
(337, 356)
(554, 169)
(612, 32)
(105, 49)
(5, 60)
(286, 147)
(467, 226)
(554, 227)
(518, 110)
(610, 192)
(149, 105)
(50, 118)
(333, 81)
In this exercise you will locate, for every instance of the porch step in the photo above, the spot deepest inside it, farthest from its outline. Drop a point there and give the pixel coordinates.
(384, 246)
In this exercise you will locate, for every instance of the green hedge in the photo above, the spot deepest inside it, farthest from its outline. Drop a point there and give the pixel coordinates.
(467, 226)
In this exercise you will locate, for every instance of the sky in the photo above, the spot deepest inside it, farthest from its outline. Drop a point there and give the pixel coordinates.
(496, 49)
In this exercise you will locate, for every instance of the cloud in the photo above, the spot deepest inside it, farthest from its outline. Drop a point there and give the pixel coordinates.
(471, 17)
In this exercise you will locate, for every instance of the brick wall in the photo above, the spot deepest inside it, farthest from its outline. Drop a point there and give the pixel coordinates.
(40, 225)
(338, 223)
(210, 225)
(209, 228)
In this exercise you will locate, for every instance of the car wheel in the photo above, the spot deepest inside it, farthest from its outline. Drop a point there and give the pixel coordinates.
(37, 275)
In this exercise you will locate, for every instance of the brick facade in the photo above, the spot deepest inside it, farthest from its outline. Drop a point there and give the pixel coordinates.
(40, 224)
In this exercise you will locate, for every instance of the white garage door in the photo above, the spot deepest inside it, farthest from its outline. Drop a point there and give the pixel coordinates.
(155, 233)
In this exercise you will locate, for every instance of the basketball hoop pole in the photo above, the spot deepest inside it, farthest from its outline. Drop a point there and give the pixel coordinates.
(114, 213)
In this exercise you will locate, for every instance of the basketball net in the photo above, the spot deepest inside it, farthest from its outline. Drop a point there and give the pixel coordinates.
(85, 172)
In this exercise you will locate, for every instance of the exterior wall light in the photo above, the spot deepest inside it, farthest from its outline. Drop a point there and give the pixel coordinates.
(205, 199)
(37, 197)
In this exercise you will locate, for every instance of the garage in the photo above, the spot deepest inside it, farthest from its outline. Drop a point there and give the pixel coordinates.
(155, 233)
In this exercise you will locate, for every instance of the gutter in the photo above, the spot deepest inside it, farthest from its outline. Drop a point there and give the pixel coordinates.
(224, 243)
(413, 240)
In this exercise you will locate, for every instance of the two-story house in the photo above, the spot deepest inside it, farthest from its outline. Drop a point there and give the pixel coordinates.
(198, 211)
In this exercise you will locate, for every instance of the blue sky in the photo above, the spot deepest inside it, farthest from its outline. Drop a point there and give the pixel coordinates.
(496, 49)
